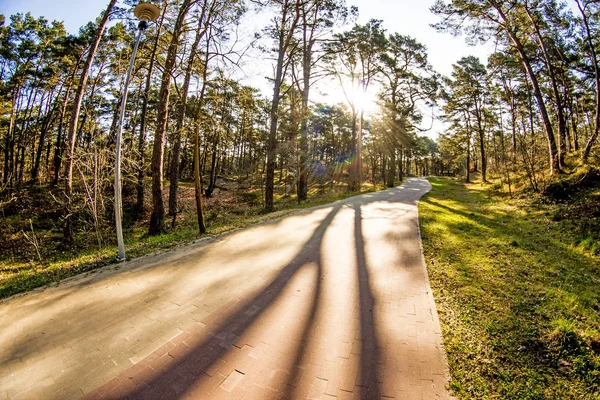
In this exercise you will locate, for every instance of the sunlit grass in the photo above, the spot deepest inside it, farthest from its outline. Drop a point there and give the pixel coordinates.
(518, 301)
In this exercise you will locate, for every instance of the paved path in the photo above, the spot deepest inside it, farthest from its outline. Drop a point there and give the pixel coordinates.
(333, 302)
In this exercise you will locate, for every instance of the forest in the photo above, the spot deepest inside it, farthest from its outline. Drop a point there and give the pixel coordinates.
(200, 147)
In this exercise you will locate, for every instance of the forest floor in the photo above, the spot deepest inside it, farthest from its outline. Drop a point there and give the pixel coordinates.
(32, 253)
(517, 287)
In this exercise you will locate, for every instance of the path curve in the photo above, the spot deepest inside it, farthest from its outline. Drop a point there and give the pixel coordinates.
(330, 302)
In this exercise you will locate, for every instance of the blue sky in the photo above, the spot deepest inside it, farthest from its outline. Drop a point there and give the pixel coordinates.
(74, 13)
(407, 17)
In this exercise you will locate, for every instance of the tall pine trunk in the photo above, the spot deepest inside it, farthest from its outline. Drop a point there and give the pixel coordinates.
(284, 39)
(562, 123)
(67, 228)
(307, 49)
(552, 149)
(141, 169)
(175, 159)
(157, 219)
(594, 135)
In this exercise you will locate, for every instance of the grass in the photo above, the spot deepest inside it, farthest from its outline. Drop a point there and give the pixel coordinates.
(517, 293)
(21, 270)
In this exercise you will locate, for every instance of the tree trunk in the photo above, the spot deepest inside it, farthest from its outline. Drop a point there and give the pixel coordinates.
(552, 149)
(391, 175)
(284, 42)
(353, 178)
(58, 146)
(157, 219)
(468, 177)
(176, 155)
(196, 162)
(400, 169)
(307, 44)
(575, 135)
(481, 134)
(358, 158)
(67, 229)
(562, 123)
(45, 126)
(212, 181)
(141, 170)
(8, 143)
(594, 135)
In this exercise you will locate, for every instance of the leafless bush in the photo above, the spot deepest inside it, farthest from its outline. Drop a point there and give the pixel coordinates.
(32, 238)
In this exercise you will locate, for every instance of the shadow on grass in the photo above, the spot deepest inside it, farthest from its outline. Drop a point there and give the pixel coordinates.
(509, 281)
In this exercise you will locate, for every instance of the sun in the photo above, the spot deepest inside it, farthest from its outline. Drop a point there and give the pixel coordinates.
(363, 100)
(335, 92)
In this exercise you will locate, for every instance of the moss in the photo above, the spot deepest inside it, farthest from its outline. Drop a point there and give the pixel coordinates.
(564, 187)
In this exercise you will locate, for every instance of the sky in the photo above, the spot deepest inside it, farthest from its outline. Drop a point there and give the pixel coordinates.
(407, 17)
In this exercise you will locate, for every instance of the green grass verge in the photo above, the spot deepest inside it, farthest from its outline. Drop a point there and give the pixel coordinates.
(519, 302)
(26, 272)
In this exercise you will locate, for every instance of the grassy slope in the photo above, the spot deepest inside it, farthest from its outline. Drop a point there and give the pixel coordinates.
(519, 303)
(20, 269)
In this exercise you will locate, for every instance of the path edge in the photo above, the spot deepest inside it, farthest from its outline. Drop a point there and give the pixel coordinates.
(433, 305)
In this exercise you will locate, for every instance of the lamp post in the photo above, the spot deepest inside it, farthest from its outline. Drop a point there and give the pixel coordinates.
(145, 13)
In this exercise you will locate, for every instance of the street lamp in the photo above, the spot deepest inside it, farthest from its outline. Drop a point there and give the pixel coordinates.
(145, 13)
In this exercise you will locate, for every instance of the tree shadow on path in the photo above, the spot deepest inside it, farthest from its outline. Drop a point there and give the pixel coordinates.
(189, 369)
(367, 381)
(369, 357)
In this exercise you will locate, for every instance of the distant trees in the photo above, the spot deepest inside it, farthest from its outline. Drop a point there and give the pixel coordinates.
(355, 58)
(467, 102)
(530, 114)
(35, 59)
(408, 84)
(558, 63)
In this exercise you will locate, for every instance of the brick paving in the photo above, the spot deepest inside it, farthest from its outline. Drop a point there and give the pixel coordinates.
(329, 303)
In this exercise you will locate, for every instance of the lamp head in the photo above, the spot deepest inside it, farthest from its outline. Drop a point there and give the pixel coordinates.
(146, 12)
